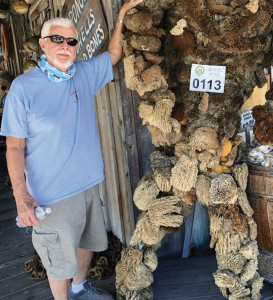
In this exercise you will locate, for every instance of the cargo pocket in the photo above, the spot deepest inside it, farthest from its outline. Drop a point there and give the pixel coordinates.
(48, 246)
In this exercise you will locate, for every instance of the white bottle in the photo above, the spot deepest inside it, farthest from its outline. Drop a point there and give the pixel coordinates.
(40, 214)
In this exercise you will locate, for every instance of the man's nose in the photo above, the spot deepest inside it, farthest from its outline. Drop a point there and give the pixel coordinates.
(64, 44)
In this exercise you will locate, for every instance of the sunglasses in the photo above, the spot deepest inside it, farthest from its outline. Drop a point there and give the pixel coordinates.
(58, 39)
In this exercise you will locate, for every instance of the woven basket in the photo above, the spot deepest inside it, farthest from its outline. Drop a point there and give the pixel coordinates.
(265, 265)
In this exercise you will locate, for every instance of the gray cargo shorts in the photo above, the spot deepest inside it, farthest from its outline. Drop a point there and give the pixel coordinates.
(75, 222)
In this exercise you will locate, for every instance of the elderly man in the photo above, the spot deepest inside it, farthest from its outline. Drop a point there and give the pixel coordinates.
(50, 124)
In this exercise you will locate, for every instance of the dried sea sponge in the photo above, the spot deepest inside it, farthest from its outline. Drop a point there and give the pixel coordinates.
(232, 261)
(162, 169)
(140, 64)
(256, 286)
(253, 6)
(239, 292)
(240, 173)
(143, 87)
(205, 146)
(249, 270)
(258, 111)
(204, 104)
(179, 27)
(161, 115)
(153, 58)
(252, 228)
(181, 148)
(204, 138)
(223, 189)
(130, 258)
(184, 173)
(183, 43)
(160, 94)
(138, 278)
(250, 250)
(146, 232)
(166, 212)
(145, 109)
(151, 73)
(150, 259)
(144, 294)
(137, 19)
(244, 203)
(187, 197)
(226, 243)
(145, 192)
(225, 278)
(202, 190)
(146, 43)
(129, 71)
(160, 138)
(263, 129)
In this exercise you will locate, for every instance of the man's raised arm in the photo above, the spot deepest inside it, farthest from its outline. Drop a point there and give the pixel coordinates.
(16, 161)
(114, 48)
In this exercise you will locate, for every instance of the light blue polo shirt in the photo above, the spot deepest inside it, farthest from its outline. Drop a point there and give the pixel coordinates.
(57, 119)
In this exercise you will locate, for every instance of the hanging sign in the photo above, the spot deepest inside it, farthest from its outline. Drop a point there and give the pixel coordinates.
(247, 120)
(205, 78)
(88, 18)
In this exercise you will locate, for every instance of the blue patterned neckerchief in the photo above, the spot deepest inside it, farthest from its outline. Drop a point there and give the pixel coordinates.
(54, 74)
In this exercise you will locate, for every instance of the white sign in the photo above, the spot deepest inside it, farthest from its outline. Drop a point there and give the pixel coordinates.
(247, 119)
(206, 78)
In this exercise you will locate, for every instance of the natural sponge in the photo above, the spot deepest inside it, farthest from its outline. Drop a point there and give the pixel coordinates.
(146, 232)
(166, 212)
(240, 173)
(202, 190)
(138, 19)
(162, 169)
(146, 43)
(223, 189)
(161, 115)
(145, 192)
(184, 174)
(179, 27)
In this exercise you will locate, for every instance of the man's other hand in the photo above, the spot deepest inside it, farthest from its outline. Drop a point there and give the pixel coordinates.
(25, 206)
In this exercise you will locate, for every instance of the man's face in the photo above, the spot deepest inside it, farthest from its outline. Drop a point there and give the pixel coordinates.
(59, 55)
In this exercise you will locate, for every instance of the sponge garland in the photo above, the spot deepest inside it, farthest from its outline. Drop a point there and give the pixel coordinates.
(195, 133)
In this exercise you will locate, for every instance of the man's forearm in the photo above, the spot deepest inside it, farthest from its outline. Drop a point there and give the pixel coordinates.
(115, 48)
(16, 163)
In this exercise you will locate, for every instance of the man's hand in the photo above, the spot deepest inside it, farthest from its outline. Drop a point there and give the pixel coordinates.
(129, 4)
(25, 206)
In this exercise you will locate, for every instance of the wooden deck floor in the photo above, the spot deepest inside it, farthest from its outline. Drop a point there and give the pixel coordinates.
(175, 279)
(191, 278)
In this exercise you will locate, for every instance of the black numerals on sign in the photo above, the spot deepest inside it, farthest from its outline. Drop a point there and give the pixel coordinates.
(196, 83)
(218, 85)
(217, 82)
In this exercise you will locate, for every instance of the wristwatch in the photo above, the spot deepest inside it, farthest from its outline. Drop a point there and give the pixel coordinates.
(120, 21)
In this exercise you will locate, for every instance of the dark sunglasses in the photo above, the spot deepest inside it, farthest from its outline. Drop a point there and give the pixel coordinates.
(58, 39)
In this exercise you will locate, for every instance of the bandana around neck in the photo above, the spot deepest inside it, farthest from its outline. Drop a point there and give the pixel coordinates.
(54, 74)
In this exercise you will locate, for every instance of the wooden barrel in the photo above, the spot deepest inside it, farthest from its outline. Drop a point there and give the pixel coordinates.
(260, 196)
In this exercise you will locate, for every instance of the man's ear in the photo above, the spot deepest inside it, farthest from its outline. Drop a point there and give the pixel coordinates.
(42, 43)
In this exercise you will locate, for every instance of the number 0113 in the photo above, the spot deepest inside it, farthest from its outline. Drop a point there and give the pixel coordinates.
(207, 85)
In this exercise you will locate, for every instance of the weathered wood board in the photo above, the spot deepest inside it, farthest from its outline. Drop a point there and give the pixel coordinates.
(90, 24)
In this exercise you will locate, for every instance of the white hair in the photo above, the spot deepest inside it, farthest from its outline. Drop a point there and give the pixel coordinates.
(57, 22)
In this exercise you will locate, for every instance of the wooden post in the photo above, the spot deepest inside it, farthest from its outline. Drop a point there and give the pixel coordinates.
(18, 65)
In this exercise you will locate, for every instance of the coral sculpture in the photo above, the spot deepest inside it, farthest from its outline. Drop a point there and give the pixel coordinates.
(195, 132)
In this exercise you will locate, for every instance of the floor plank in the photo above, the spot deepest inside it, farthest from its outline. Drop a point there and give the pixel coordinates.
(191, 278)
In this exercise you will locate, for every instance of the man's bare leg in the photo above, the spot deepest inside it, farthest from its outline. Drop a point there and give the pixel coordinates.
(59, 288)
(84, 259)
